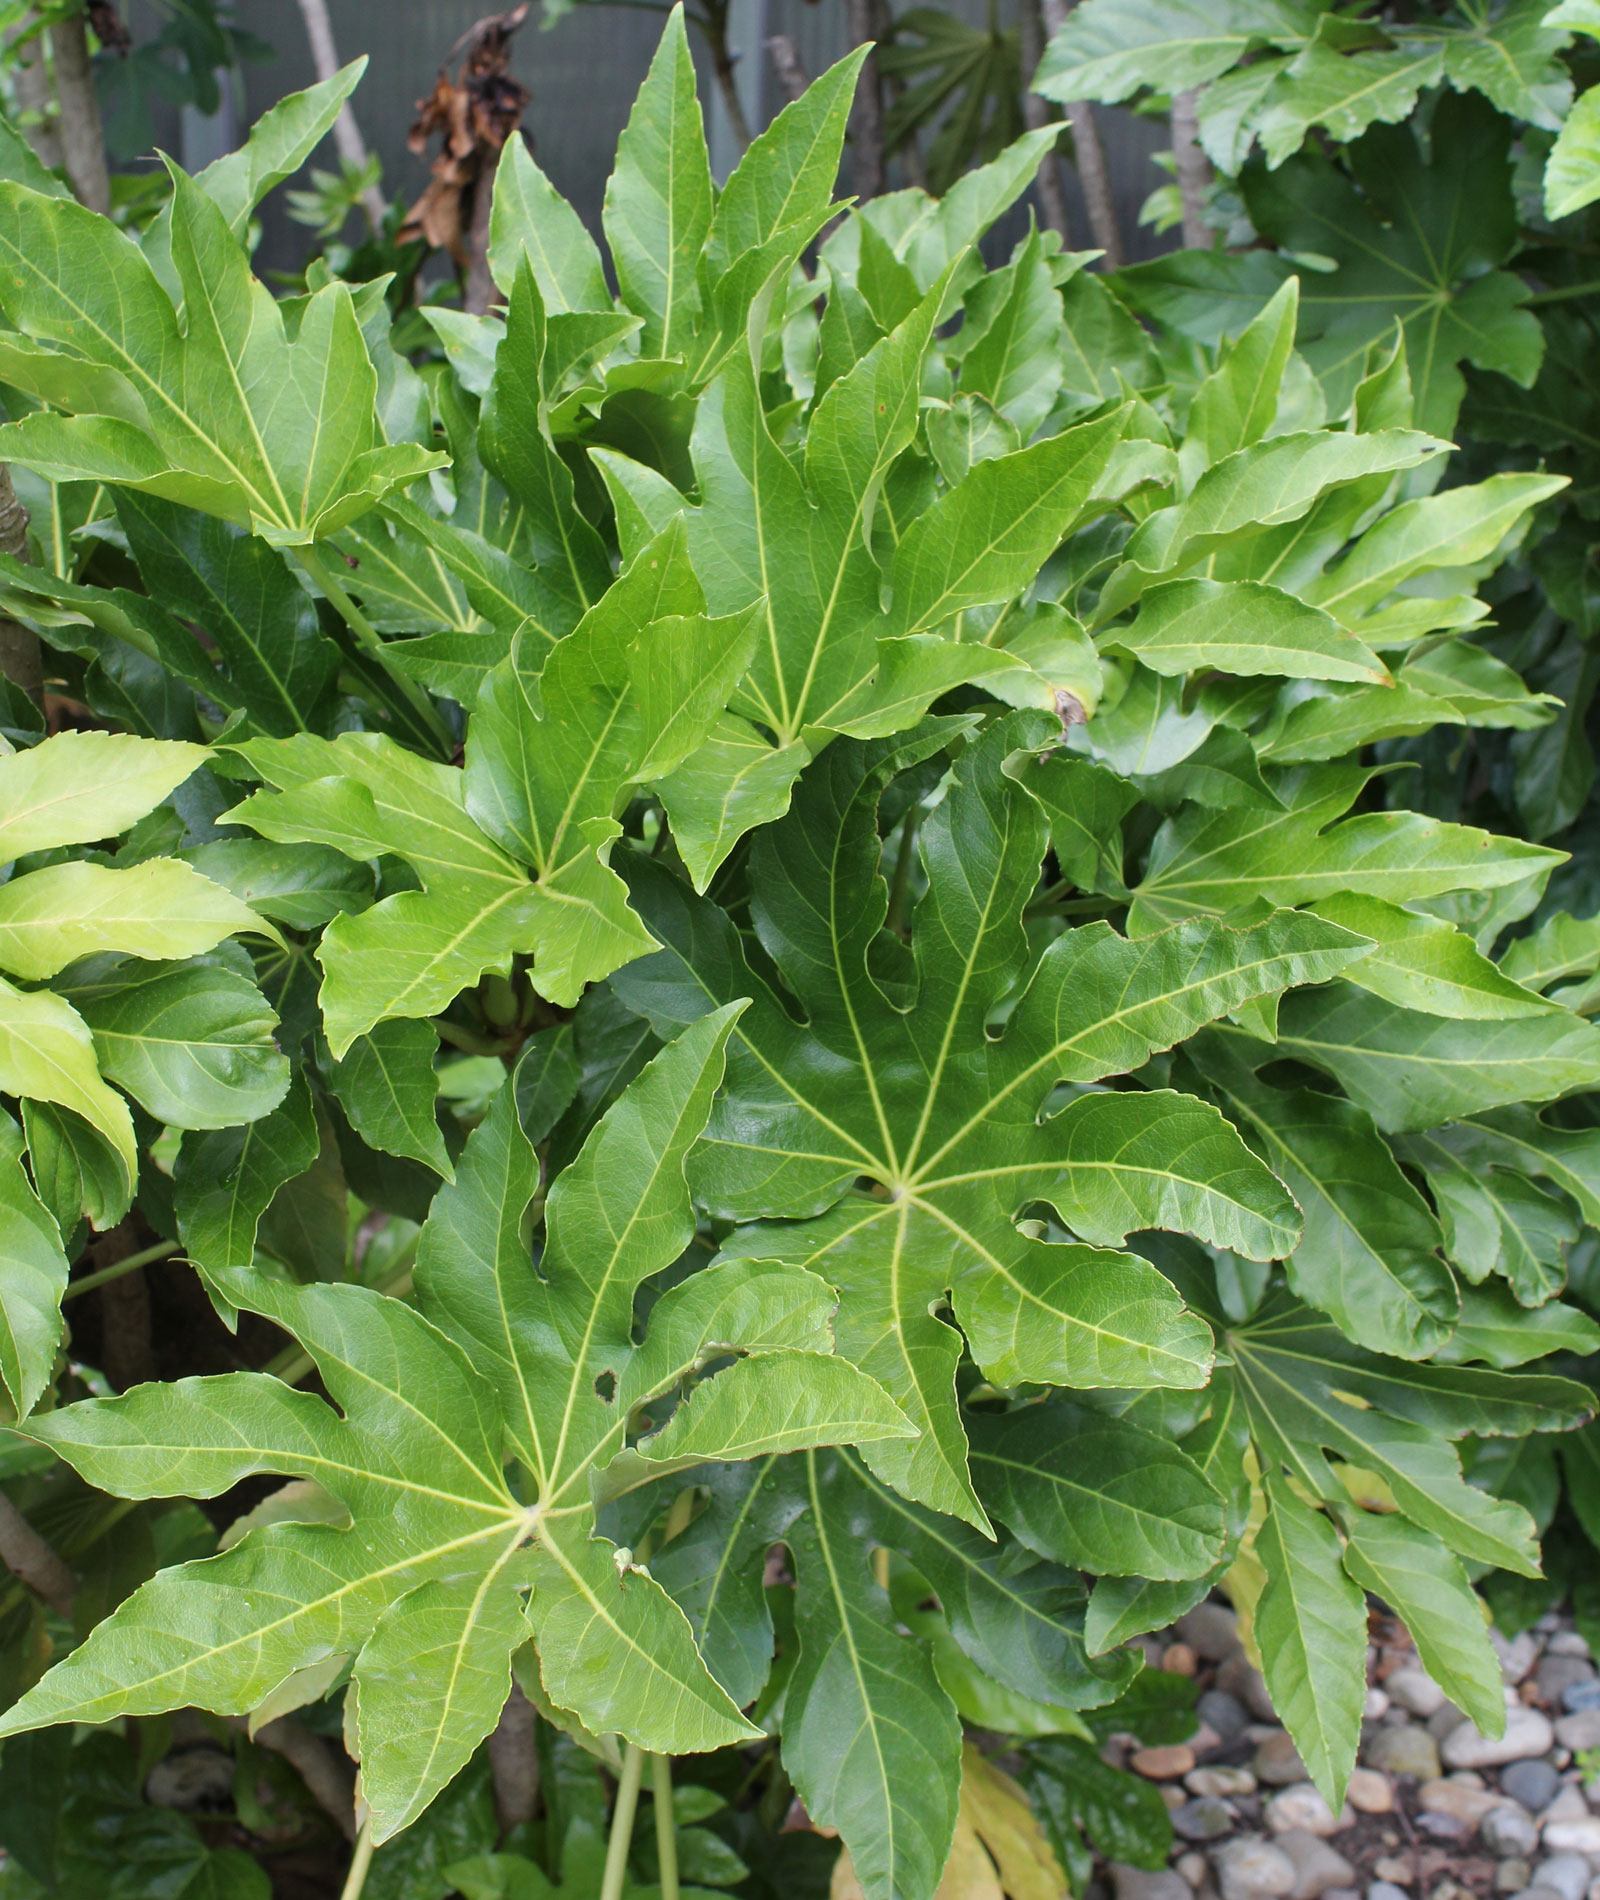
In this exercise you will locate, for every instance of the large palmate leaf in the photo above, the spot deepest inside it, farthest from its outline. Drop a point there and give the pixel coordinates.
(905, 1136)
(1316, 1403)
(870, 1736)
(223, 412)
(797, 543)
(499, 1357)
(511, 853)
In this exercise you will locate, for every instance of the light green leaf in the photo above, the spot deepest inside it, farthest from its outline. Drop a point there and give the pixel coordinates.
(1110, 49)
(1572, 171)
(774, 1402)
(1370, 1255)
(47, 1054)
(890, 1093)
(1424, 963)
(1242, 627)
(531, 220)
(659, 201)
(160, 909)
(224, 1182)
(1413, 1071)
(33, 1280)
(1311, 1629)
(79, 787)
(1427, 1588)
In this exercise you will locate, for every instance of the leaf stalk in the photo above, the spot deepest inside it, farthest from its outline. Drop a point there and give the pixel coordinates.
(666, 1825)
(372, 643)
(621, 1824)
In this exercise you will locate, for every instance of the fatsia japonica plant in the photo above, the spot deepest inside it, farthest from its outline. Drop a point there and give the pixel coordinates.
(875, 1085)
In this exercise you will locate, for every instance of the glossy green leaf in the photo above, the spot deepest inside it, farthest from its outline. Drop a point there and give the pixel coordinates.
(1311, 1627)
(908, 1100)
(386, 1083)
(192, 1045)
(34, 1279)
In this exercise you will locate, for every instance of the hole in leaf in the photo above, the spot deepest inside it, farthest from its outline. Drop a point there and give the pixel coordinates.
(605, 1386)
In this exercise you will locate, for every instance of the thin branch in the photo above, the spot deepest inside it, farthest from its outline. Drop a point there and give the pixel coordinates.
(1093, 173)
(1037, 113)
(1195, 175)
(715, 28)
(148, 1256)
(34, 1562)
(346, 132)
(83, 142)
(866, 136)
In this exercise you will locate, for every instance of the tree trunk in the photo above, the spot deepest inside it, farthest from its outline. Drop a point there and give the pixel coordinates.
(866, 137)
(125, 1350)
(480, 290)
(36, 98)
(1037, 112)
(27, 1556)
(21, 660)
(83, 143)
(347, 137)
(1194, 171)
(1098, 196)
(514, 1762)
(787, 65)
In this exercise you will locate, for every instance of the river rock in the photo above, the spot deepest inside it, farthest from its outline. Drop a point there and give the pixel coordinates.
(1303, 1806)
(1557, 1674)
(1415, 1690)
(1581, 1730)
(1206, 1818)
(1567, 1643)
(1566, 1874)
(1511, 1876)
(1527, 1733)
(1404, 1751)
(1252, 1869)
(1386, 1890)
(1530, 1782)
(1138, 1883)
(1574, 1837)
(1369, 1792)
(1509, 1831)
(1277, 1761)
(1220, 1781)
(1210, 1629)
(1170, 1763)
(1317, 1866)
(1517, 1654)
(1582, 1695)
(1238, 1678)
(1469, 1805)
(1224, 1713)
